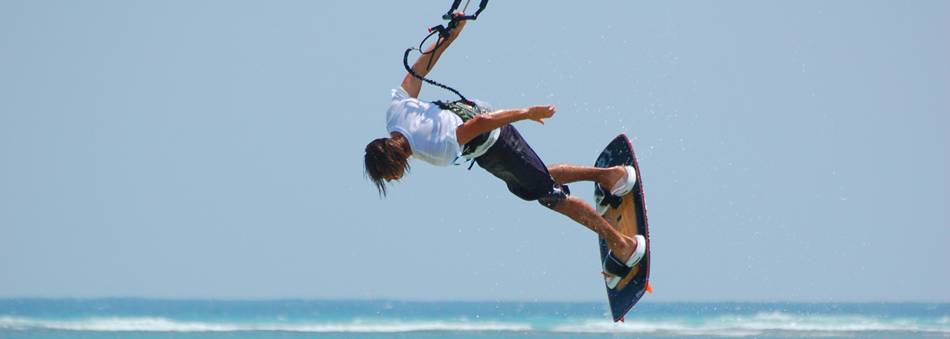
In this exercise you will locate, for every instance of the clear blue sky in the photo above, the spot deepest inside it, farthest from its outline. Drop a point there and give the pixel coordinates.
(789, 150)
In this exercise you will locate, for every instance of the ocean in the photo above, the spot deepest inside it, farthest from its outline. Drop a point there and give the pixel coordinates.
(147, 318)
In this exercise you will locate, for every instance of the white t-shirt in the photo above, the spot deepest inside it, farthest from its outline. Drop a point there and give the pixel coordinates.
(429, 129)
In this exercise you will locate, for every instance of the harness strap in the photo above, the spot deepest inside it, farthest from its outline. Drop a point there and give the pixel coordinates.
(466, 110)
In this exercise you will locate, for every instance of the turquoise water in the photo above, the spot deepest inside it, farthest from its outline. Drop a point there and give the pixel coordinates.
(137, 318)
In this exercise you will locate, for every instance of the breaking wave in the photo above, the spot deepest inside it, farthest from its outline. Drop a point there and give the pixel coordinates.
(758, 324)
(727, 325)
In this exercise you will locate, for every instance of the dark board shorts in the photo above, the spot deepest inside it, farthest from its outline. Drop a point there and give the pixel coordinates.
(513, 161)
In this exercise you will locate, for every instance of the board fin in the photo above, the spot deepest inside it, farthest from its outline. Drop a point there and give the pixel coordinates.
(649, 288)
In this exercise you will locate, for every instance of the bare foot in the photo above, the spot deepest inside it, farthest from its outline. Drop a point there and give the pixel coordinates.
(624, 250)
(614, 174)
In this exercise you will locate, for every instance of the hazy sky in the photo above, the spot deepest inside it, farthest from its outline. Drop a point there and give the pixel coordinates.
(789, 150)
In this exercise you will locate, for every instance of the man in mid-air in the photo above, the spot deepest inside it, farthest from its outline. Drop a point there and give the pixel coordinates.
(440, 133)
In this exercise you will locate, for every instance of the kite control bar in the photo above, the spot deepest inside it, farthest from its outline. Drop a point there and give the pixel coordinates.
(454, 18)
(444, 31)
(455, 6)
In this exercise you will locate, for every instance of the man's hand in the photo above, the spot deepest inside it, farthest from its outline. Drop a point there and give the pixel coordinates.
(458, 29)
(539, 113)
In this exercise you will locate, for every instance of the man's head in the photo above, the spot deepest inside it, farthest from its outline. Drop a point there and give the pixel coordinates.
(387, 159)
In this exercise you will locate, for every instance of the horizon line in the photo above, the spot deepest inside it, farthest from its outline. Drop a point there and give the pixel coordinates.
(461, 300)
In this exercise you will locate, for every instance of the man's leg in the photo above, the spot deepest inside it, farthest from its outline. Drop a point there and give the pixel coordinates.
(606, 177)
(621, 245)
(515, 163)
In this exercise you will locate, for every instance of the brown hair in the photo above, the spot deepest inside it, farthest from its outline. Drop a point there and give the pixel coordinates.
(385, 158)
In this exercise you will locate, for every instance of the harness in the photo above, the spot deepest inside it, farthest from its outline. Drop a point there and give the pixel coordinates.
(466, 111)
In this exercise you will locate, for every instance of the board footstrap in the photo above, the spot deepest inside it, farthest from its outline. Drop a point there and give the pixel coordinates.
(614, 266)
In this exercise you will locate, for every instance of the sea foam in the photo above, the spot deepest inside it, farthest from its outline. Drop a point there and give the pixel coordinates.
(755, 325)
(691, 324)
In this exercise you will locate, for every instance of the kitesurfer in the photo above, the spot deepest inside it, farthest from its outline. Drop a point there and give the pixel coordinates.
(440, 133)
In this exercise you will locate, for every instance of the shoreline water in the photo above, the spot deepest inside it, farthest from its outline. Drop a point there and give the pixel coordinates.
(123, 317)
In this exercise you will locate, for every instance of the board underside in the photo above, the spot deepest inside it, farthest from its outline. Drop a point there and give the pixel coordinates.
(631, 219)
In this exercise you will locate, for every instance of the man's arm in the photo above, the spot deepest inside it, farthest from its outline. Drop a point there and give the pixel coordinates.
(487, 122)
(413, 85)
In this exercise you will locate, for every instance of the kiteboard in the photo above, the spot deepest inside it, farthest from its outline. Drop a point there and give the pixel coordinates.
(628, 214)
